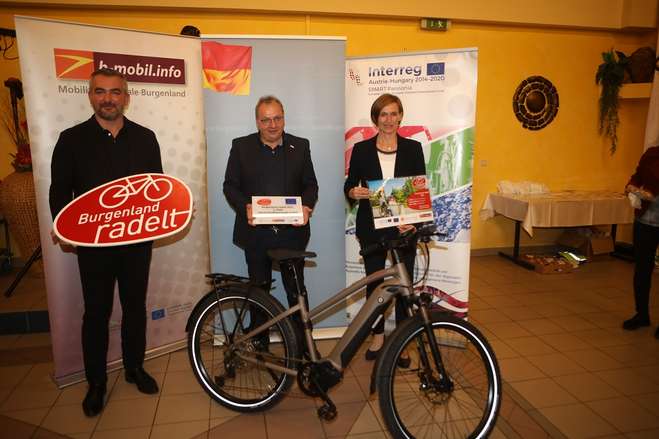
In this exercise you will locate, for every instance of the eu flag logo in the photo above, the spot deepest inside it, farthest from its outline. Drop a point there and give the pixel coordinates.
(158, 314)
(435, 68)
(290, 200)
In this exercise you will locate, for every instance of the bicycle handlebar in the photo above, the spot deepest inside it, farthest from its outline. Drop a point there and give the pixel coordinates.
(424, 233)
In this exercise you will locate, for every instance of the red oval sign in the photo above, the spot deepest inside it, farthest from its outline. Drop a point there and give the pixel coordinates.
(264, 202)
(133, 209)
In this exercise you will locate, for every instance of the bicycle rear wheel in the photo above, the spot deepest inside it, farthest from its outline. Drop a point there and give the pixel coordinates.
(415, 403)
(233, 373)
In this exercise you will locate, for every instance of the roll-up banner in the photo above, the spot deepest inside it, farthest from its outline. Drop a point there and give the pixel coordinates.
(438, 92)
(306, 74)
(165, 85)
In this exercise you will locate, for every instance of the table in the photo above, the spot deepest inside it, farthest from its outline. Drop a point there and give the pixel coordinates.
(558, 209)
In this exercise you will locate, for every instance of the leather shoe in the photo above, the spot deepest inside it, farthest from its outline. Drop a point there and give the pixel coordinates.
(144, 382)
(638, 321)
(94, 400)
(372, 355)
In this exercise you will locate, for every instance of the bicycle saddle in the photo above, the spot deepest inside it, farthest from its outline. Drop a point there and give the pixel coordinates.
(283, 254)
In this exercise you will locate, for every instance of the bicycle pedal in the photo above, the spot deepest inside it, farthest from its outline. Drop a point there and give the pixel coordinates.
(327, 412)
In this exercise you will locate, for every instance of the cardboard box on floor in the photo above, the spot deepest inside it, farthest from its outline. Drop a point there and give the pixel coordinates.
(548, 264)
(589, 242)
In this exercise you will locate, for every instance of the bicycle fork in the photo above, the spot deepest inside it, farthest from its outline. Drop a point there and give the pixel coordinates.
(444, 382)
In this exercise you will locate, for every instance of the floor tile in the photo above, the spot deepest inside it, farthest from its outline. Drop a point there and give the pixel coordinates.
(68, 419)
(183, 408)
(181, 381)
(519, 369)
(293, 423)
(182, 430)
(625, 414)
(128, 414)
(541, 326)
(30, 416)
(526, 346)
(543, 393)
(564, 342)
(578, 421)
(587, 387)
(593, 359)
(627, 382)
(179, 361)
(366, 422)
(124, 433)
(250, 426)
(556, 364)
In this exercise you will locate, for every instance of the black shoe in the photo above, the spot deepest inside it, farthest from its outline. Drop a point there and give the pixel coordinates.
(144, 382)
(372, 355)
(404, 363)
(94, 400)
(638, 321)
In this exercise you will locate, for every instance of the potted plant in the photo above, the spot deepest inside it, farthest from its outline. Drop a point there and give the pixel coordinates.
(17, 197)
(610, 75)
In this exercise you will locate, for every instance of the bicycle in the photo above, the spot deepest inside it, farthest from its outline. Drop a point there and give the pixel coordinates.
(155, 189)
(452, 388)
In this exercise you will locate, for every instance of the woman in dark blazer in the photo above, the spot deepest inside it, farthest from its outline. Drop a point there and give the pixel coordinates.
(385, 155)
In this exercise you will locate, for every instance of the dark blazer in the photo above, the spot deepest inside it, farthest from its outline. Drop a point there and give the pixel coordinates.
(365, 165)
(242, 179)
(83, 159)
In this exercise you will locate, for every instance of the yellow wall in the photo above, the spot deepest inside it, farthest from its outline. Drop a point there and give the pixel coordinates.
(568, 154)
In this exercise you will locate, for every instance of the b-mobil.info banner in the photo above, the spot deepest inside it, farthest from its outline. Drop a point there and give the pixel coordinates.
(164, 81)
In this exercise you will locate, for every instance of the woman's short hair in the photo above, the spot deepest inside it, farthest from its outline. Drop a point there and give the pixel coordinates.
(381, 102)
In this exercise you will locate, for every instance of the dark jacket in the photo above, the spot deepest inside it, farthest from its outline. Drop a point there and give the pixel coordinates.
(365, 165)
(85, 157)
(242, 179)
(647, 176)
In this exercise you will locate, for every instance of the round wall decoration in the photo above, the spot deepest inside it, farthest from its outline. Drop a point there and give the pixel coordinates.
(535, 102)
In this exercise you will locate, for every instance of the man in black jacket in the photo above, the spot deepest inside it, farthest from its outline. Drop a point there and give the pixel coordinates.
(106, 147)
(269, 162)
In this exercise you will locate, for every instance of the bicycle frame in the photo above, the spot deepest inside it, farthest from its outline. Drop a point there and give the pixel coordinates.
(399, 283)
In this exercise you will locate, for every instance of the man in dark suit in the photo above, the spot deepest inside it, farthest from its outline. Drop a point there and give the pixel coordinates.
(269, 162)
(106, 147)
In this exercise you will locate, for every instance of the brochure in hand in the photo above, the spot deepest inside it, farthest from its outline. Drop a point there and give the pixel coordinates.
(398, 201)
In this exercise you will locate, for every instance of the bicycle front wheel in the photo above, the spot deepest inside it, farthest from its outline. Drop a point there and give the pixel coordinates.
(416, 402)
(235, 374)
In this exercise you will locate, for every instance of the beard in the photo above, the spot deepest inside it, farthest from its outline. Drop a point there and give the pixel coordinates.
(109, 112)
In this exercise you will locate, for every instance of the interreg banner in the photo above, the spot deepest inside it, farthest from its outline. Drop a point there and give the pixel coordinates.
(165, 86)
(438, 92)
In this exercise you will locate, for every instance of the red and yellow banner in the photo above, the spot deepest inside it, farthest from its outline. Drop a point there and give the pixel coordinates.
(226, 69)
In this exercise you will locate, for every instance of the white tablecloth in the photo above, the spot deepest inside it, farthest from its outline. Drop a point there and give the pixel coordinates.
(560, 209)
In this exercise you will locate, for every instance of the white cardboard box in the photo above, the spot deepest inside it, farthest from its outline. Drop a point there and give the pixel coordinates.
(277, 210)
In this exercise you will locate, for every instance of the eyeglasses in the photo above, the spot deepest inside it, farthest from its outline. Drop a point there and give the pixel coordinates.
(268, 120)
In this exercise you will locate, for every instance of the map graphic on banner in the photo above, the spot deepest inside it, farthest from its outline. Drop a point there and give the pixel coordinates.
(438, 93)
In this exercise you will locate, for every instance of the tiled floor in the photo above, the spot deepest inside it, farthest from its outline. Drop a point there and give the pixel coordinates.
(569, 371)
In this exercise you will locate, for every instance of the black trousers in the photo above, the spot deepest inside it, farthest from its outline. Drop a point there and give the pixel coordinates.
(259, 264)
(100, 268)
(376, 261)
(646, 239)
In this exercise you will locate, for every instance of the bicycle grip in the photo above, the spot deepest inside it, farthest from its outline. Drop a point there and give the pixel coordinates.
(372, 248)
